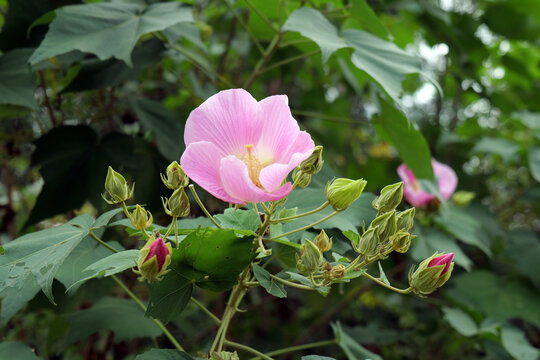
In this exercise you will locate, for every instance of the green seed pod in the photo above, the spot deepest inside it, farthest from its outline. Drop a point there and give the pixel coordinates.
(177, 205)
(117, 187)
(390, 198)
(341, 193)
(175, 178)
(405, 219)
(401, 241)
(369, 242)
(386, 223)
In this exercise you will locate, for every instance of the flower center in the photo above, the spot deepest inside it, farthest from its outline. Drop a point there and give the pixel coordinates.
(253, 164)
(416, 186)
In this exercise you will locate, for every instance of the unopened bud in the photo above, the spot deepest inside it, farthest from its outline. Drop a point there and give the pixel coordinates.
(117, 187)
(140, 218)
(463, 198)
(300, 178)
(401, 241)
(224, 355)
(341, 193)
(431, 274)
(311, 258)
(369, 242)
(314, 163)
(338, 271)
(154, 258)
(386, 223)
(390, 198)
(177, 205)
(176, 177)
(405, 219)
(323, 242)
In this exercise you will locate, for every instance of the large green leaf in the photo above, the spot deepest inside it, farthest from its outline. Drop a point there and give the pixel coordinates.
(121, 316)
(515, 342)
(164, 354)
(17, 83)
(32, 260)
(350, 347)
(16, 350)
(91, 27)
(361, 11)
(409, 142)
(460, 321)
(534, 162)
(272, 286)
(239, 219)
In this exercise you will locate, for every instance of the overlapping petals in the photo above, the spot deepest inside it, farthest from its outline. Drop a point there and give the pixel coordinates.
(241, 150)
(446, 180)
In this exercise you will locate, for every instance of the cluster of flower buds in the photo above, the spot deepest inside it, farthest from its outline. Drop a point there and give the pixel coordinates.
(312, 165)
(177, 205)
(431, 274)
(117, 187)
(390, 229)
(341, 193)
(154, 258)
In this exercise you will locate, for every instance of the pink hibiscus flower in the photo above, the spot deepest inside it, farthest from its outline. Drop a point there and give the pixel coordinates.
(241, 150)
(446, 179)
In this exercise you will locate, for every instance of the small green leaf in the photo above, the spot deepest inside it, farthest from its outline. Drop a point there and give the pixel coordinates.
(460, 321)
(534, 162)
(164, 354)
(272, 286)
(90, 27)
(239, 219)
(352, 349)
(382, 275)
(517, 345)
(16, 351)
(103, 219)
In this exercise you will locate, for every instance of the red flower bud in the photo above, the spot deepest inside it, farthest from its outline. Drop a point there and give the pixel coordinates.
(159, 250)
(445, 260)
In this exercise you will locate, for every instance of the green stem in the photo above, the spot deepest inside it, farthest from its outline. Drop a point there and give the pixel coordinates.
(295, 42)
(247, 349)
(261, 15)
(266, 56)
(289, 60)
(102, 242)
(290, 283)
(170, 229)
(203, 208)
(324, 205)
(380, 282)
(300, 347)
(305, 227)
(143, 307)
(239, 19)
(206, 311)
(176, 232)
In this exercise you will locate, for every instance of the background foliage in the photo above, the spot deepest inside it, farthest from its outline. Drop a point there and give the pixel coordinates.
(376, 82)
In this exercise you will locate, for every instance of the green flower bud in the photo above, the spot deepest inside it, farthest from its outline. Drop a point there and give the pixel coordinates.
(140, 218)
(311, 258)
(386, 223)
(338, 271)
(323, 242)
(176, 178)
(401, 241)
(341, 193)
(154, 258)
(463, 198)
(431, 274)
(117, 187)
(369, 242)
(405, 219)
(314, 163)
(300, 178)
(177, 205)
(224, 355)
(390, 198)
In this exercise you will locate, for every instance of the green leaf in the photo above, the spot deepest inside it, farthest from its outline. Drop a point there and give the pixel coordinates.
(506, 149)
(110, 265)
(90, 28)
(517, 345)
(103, 219)
(409, 142)
(312, 24)
(170, 296)
(163, 123)
(361, 11)
(34, 259)
(164, 354)
(121, 316)
(382, 275)
(213, 258)
(523, 250)
(17, 83)
(272, 286)
(316, 357)
(534, 162)
(16, 350)
(239, 219)
(352, 349)
(460, 321)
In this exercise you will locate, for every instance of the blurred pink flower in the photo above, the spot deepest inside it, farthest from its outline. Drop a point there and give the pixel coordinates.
(446, 179)
(241, 150)
(445, 260)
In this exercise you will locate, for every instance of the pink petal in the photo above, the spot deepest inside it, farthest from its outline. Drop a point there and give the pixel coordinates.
(445, 260)
(238, 185)
(412, 191)
(201, 162)
(229, 119)
(446, 178)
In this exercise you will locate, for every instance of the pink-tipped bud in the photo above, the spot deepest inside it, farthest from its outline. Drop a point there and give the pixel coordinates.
(154, 258)
(445, 260)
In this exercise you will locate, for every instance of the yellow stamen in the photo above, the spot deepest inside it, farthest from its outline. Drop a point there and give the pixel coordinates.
(253, 164)
(416, 186)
